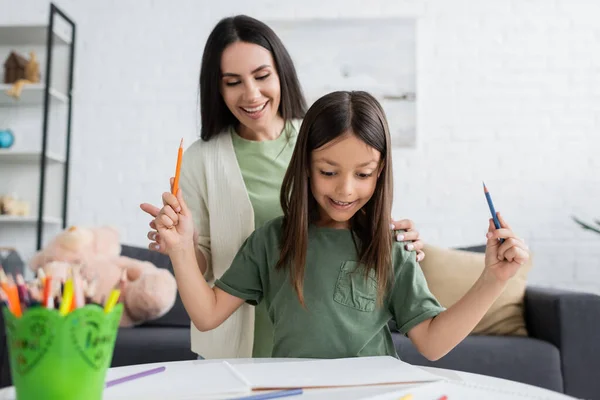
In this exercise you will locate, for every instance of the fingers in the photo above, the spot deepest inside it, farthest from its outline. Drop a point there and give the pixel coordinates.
(410, 236)
(184, 208)
(501, 233)
(404, 224)
(509, 244)
(516, 254)
(171, 200)
(167, 218)
(154, 246)
(503, 223)
(150, 209)
(152, 225)
(171, 182)
(153, 235)
(420, 256)
(491, 241)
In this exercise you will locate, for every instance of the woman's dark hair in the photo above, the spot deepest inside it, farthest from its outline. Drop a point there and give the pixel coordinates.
(214, 114)
(329, 118)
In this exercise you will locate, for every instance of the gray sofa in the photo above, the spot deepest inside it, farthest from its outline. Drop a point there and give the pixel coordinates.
(562, 352)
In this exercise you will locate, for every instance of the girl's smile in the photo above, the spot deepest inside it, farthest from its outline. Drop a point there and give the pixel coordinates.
(342, 185)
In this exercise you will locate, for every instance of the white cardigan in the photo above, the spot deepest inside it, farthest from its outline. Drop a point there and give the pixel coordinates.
(214, 190)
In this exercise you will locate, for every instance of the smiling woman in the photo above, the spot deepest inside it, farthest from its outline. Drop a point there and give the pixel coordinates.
(251, 105)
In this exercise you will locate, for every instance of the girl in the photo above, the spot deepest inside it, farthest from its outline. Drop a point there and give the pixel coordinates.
(250, 106)
(334, 248)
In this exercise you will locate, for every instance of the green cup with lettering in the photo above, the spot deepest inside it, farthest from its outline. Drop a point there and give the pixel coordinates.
(56, 357)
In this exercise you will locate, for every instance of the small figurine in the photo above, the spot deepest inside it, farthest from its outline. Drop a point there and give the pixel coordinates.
(25, 71)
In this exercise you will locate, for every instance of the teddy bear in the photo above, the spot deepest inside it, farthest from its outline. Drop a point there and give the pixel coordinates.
(147, 292)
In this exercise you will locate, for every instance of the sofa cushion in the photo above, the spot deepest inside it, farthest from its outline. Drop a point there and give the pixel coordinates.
(522, 359)
(450, 274)
(141, 345)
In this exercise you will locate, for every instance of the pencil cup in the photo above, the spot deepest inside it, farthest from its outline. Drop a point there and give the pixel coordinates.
(61, 357)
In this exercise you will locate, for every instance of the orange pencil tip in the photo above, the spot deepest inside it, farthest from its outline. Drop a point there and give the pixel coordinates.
(181, 143)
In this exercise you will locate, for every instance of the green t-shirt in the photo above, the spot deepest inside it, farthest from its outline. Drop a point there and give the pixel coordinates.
(263, 165)
(341, 318)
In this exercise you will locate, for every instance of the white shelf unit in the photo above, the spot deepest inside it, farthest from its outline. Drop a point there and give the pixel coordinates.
(15, 219)
(36, 167)
(29, 35)
(31, 95)
(29, 157)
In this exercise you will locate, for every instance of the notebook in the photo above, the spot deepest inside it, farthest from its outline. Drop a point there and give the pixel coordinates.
(182, 380)
(356, 371)
(466, 391)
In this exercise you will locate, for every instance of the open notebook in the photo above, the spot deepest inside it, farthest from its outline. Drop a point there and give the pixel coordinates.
(357, 371)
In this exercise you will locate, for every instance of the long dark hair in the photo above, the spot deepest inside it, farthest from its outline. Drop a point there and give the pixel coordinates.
(214, 114)
(331, 117)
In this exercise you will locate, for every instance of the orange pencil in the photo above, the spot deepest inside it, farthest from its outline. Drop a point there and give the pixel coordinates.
(13, 296)
(47, 297)
(177, 169)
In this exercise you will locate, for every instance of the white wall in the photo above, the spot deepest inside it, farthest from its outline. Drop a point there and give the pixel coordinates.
(508, 92)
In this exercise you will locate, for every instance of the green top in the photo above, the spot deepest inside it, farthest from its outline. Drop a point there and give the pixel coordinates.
(341, 318)
(263, 165)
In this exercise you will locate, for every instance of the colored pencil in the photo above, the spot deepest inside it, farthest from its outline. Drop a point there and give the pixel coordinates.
(134, 376)
(177, 169)
(492, 209)
(272, 395)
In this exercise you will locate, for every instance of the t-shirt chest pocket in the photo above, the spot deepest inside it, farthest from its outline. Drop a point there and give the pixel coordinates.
(353, 290)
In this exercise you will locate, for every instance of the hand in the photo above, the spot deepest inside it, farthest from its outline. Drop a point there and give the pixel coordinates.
(156, 242)
(410, 235)
(174, 223)
(503, 260)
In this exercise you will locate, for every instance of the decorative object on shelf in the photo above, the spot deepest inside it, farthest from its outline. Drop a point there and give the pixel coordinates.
(10, 261)
(7, 139)
(14, 67)
(11, 205)
(588, 226)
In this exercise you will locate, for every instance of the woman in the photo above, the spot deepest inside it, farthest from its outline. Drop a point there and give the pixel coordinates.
(251, 104)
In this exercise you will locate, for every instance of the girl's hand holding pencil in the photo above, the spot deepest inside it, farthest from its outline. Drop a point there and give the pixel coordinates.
(174, 222)
(503, 258)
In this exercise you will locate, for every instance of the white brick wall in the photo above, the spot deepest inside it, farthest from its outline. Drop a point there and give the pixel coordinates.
(509, 93)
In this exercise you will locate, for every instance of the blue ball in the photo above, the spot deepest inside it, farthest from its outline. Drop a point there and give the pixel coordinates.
(6, 138)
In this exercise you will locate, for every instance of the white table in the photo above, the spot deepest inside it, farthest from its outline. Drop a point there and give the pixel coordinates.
(329, 394)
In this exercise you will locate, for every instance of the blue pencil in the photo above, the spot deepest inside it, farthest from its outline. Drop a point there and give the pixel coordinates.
(272, 395)
(492, 209)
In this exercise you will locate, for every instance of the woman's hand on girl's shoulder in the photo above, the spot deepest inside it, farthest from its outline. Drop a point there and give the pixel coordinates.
(410, 235)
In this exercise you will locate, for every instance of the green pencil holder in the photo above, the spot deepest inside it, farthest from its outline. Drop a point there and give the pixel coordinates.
(56, 357)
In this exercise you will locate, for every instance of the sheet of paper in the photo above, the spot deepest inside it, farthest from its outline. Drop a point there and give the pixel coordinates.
(355, 371)
(468, 391)
(183, 380)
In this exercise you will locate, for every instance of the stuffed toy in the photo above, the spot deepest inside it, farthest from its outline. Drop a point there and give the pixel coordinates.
(10, 205)
(147, 292)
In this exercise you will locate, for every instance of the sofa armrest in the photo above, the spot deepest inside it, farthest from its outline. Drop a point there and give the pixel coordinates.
(570, 321)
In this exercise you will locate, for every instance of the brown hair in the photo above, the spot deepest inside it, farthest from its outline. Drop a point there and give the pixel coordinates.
(333, 116)
(214, 114)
